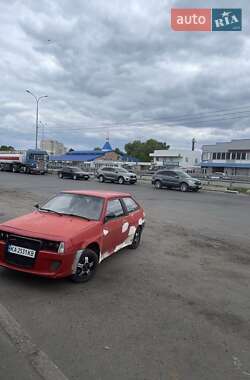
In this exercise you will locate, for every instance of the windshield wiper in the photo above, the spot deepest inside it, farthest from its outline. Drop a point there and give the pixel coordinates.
(49, 210)
(78, 216)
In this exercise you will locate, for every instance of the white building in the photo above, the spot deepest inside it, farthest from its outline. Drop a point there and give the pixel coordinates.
(183, 158)
(52, 147)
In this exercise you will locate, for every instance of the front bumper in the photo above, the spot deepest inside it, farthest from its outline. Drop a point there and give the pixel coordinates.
(194, 187)
(131, 180)
(47, 264)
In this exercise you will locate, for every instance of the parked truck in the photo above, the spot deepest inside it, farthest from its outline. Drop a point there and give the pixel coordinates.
(29, 161)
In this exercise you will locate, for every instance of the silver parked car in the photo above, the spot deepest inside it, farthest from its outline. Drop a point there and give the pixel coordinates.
(119, 175)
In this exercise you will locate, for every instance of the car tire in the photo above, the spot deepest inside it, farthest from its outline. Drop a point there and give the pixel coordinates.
(157, 184)
(121, 180)
(101, 179)
(60, 175)
(184, 187)
(86, 178)
(86, 266)
(74, 177)
(136, 239)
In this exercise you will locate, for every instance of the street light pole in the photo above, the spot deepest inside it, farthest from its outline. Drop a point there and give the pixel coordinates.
(43, 127)
(37, 102)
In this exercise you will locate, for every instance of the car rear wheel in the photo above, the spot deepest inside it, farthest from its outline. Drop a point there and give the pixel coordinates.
(121, 180)
(184, 187)
(158, 184)
(101, 179)
(86, 266)
(137, 238)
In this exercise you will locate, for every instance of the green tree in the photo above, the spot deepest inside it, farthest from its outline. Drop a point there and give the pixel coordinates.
(97, 148)
(118, 151)
(6, 148)
(141, 150)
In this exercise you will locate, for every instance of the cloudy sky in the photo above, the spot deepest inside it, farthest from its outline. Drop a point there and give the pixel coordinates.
(115, 65)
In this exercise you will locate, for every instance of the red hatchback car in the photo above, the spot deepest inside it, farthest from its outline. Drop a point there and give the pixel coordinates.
(71, 234)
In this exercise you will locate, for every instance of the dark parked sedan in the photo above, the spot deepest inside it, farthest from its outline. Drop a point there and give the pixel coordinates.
(73, 172)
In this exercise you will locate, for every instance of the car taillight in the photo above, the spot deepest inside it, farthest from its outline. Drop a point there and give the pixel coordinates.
(4, 235)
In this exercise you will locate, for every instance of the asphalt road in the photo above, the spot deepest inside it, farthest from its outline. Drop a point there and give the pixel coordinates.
(176, 308)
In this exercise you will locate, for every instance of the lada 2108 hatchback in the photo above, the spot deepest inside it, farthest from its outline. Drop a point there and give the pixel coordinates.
(71, 234)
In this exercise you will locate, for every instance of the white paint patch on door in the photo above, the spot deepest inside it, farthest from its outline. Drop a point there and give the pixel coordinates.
(125, 227)
(105, 232)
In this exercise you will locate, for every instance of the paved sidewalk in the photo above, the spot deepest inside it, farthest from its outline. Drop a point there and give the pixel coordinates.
(13, 365)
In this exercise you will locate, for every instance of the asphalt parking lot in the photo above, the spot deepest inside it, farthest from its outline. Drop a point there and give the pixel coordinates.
(176, 308)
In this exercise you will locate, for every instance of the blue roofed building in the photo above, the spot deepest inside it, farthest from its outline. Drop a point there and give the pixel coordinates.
(80, 157)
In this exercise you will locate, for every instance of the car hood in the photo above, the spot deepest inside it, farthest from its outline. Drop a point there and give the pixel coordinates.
(47, 225)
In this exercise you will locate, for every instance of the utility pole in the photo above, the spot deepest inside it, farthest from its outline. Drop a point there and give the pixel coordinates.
(37, 99)
(193, 144)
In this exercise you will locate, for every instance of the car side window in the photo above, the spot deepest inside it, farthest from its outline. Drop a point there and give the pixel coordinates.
(130, 204)
(171, 174)
(114, 207)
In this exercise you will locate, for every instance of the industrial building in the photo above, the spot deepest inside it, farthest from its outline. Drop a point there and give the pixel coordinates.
(231, 158)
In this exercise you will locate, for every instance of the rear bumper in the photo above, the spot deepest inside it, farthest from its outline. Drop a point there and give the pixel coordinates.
(46, 264)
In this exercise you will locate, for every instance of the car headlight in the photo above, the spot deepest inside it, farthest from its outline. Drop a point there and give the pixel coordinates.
(3, 236)
(61, 247)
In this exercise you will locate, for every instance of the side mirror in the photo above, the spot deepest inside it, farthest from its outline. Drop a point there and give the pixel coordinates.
(36, 205)
(109, 217)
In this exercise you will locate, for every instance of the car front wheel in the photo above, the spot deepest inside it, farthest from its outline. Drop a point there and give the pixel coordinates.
(157, 184)
(121, 180)
(86, 266)
(184, 187)
(101, 178)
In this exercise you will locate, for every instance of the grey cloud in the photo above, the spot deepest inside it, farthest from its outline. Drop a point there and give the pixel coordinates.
(114, 63)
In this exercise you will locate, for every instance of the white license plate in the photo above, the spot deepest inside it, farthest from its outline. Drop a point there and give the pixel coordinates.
(21, 251)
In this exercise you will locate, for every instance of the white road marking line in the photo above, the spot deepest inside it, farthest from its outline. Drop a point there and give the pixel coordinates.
(38, 359)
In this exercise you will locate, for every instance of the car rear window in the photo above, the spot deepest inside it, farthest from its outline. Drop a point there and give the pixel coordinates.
(130, 204)
(114, 207)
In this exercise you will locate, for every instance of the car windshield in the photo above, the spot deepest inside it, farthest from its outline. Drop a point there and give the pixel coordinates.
(84, 206)
(183, 174)
(122, 170)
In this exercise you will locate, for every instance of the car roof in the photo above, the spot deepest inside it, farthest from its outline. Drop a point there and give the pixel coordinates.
(97, 193)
